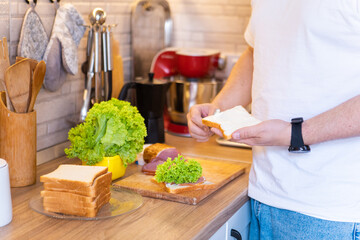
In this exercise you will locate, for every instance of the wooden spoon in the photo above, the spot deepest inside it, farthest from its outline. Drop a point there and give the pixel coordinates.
(17, 81)
(37, 82)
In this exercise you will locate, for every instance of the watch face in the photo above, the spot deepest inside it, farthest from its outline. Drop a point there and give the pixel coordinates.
(302, 149)
(297, 120)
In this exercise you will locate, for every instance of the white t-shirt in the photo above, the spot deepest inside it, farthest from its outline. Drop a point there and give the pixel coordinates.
(306, 61)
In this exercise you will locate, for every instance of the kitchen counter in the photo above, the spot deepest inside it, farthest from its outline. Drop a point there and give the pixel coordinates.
(155, 219)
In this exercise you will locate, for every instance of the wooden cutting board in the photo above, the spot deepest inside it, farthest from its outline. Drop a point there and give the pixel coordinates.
(117, 72)
(215, 171)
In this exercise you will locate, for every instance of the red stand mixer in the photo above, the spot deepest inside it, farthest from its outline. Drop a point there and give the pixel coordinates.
(191, 73)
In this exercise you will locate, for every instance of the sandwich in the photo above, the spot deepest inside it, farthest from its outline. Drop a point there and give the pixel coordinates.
(230, 120)
(76, 189)
(181, 175)
(157, 154)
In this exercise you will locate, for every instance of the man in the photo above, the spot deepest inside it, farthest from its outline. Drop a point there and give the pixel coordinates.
(303, 61)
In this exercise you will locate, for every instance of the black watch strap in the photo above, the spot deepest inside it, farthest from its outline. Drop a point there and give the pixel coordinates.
(297, 143)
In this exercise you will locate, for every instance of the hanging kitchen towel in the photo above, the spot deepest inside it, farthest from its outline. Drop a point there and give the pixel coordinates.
(61, 51)
(33, 37)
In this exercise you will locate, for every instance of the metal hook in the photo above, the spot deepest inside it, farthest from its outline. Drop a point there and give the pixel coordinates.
(33, 1)
(56, 4)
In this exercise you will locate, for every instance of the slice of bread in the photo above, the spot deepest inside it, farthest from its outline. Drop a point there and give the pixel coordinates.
(74, 175)
(76, 208)
(180, 188)
(74, 198)
(230, 120)
(99, 183)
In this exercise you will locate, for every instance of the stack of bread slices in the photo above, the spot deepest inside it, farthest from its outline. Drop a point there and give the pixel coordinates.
(76, 189)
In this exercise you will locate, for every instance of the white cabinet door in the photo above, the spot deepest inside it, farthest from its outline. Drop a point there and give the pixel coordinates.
(220, 234)
(239, 223)
(237, 227)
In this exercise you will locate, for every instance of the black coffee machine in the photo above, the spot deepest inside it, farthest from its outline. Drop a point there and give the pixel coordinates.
(150, 100)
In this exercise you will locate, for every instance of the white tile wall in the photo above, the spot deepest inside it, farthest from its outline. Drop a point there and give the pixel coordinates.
(217, 24)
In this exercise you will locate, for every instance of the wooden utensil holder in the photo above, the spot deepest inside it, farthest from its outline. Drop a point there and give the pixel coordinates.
(18, 144)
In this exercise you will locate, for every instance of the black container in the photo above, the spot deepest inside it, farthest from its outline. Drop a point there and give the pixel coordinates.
(150, 101)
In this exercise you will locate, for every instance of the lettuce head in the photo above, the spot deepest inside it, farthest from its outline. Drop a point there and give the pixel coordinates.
(111, 128)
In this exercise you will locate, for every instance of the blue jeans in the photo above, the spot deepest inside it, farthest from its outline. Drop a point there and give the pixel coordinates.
(273, 223)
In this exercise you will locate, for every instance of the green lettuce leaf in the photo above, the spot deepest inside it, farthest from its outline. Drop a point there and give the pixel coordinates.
(179, 170)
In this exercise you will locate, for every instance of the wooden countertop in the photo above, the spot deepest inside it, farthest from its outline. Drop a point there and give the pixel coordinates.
(156, 219)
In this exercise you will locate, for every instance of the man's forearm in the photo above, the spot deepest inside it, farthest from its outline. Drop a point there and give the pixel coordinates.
(237, 90)
(340, 122)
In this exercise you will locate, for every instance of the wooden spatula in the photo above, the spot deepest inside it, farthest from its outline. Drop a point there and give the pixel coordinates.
(38, 79)
(17, 81)
(33, 64)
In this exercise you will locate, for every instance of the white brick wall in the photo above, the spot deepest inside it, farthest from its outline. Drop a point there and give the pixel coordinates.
(54, 109)
(217, 24)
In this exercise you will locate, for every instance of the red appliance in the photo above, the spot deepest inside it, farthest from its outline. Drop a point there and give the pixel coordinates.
(185, 68)
(164, 63)
(196, 63)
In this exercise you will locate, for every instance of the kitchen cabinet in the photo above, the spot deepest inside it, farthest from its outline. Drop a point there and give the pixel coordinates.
(221, 233)
(237, 227)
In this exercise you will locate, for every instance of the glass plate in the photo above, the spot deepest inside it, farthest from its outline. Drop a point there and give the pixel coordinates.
(122, 201)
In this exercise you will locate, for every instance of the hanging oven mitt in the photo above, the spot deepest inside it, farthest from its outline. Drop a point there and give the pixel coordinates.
(33, 37)
(61, 53)
(55, 75)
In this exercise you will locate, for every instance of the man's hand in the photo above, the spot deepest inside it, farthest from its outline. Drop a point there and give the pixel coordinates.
(198, 130)
(267, 133)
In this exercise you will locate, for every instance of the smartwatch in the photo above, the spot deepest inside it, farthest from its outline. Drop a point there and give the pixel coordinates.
(297, 143)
